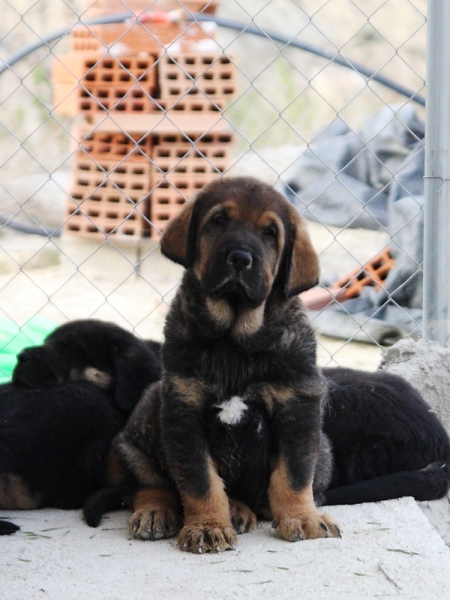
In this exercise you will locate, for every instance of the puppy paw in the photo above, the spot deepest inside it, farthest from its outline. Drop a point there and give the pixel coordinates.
(207, 537)
(242, 518)
(310, 527)
(154, 524)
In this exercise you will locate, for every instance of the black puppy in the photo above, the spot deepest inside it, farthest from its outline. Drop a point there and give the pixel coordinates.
(67, 401)
(387, 442)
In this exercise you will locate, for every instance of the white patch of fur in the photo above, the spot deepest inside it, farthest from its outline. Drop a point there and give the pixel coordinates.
(232, 410)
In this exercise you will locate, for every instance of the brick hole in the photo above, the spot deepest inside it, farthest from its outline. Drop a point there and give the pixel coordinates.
(137, 107)
(193, 91)
(225, 76)
(224, 60)
(179, 106)
(93, 213)
(189, 60)
(138, 171)
(112, 215)
(114, 199)
(208, 75)
(207, 60)
(199, 170)
(225, 139)
(103, 94)
(107, 77)
(108, 64)
(228, 91)
(180, 170)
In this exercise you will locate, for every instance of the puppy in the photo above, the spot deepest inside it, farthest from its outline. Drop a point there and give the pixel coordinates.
(68, 399)
(387, 442)
(234, 428)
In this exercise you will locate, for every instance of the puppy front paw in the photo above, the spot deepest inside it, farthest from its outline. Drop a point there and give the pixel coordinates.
(309, 527)
(200, 538)
(157, 524)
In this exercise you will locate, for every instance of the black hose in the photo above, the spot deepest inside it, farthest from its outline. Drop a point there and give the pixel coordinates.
(226, 24)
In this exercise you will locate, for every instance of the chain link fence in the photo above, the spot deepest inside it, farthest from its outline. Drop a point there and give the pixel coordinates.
(106, 128)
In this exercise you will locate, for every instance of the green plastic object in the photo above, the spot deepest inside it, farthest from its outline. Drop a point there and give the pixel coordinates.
(14, 338)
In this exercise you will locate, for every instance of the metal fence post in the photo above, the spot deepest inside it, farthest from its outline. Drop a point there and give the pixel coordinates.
(437, 176)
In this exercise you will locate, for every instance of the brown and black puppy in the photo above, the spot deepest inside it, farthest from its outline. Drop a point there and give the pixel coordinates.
(235, 426)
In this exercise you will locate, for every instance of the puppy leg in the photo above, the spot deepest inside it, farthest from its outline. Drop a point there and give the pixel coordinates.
(156, 515)
(207, 520)
(295, 514)
(297, 423)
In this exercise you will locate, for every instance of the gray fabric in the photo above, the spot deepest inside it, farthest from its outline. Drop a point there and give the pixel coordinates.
(371, 179)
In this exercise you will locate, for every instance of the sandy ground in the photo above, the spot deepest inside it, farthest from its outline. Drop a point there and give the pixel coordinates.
(387, 550)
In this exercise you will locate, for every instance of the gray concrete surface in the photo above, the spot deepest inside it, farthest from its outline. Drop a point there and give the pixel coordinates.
(387, 550)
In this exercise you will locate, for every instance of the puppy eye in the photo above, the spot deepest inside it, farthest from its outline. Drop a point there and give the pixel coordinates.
(219, 218)
(271, 231)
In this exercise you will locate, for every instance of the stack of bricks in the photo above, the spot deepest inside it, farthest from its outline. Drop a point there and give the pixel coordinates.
(149, 97)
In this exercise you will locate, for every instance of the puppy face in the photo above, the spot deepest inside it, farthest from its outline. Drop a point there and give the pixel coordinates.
(242, 239)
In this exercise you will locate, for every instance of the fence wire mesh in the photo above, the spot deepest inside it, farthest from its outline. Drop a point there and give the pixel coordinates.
(106, 130)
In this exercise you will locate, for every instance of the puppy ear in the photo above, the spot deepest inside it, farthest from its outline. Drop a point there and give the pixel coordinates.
(302, 268)
(178, 239)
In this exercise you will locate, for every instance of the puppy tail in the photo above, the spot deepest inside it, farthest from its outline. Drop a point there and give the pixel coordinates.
(7, 528)
(105, 500)
(430, 483)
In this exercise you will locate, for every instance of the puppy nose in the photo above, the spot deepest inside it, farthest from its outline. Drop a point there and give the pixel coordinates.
(240, 260)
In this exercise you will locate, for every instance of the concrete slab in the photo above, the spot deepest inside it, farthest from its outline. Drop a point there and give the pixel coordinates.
(388, 549)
